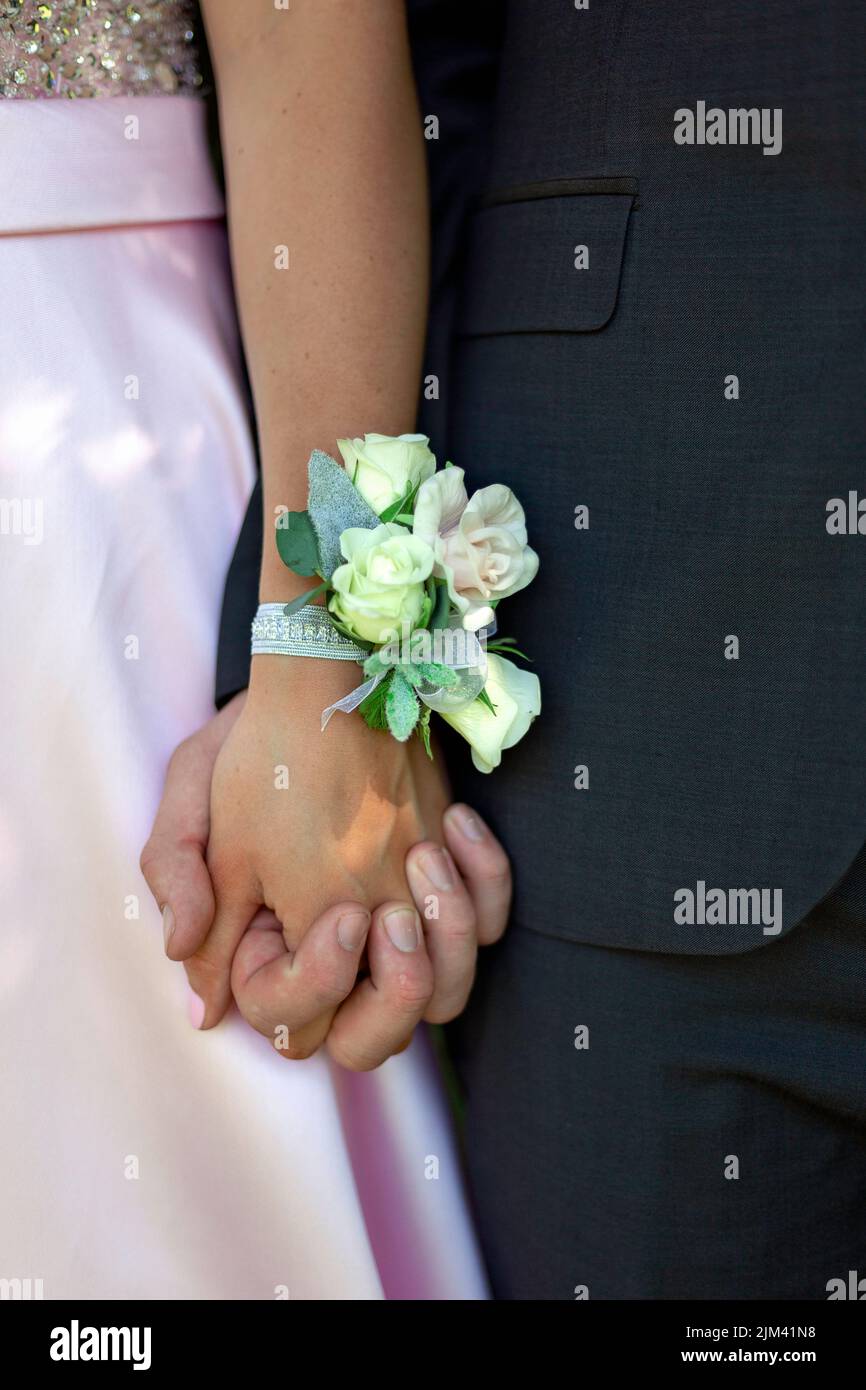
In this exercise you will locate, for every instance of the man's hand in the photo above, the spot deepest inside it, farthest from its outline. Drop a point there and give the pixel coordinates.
(293, 983)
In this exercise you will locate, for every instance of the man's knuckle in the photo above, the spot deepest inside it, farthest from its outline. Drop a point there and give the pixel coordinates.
(459, 929)
(495, 872)
(412, 992)
(321, 980)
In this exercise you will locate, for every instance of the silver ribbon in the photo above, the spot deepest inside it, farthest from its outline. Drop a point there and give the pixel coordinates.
(467, 656)
(353, 699)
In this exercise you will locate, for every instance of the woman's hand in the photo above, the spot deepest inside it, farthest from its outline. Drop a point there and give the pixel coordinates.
(294, 849)
(302, 820)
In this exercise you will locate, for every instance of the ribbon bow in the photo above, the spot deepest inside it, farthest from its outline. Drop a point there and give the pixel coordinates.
(446, 667)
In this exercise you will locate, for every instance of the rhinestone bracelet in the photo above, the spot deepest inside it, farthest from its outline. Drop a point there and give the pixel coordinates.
(309, 632)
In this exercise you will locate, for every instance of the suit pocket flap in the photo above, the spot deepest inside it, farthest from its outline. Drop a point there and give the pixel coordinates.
(545, 263)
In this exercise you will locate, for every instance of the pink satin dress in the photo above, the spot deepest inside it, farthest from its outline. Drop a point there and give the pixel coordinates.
(139, 1158)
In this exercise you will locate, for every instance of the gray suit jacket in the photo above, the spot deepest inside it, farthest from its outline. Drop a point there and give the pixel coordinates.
(669, 335)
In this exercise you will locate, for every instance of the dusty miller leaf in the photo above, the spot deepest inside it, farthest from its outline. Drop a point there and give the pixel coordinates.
(334, 505)
(401, 707)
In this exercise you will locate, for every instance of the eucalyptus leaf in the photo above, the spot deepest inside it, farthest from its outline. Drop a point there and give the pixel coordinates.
(297, 543)
(401, 707)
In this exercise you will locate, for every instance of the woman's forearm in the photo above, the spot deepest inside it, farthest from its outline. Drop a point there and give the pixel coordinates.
(324, 157)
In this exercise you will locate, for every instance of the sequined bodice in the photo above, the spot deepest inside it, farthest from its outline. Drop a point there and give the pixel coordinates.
(97, 48)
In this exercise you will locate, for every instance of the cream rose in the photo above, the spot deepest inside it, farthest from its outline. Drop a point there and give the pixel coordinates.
(381, 585)
(383, 468)
(479, 542)
(516, 695)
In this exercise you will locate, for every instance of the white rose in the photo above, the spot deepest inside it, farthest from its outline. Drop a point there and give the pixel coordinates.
(381, 586)
(516, 695)
(384, 468)
(480, 542)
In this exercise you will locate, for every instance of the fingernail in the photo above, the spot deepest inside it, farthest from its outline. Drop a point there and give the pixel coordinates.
(402, 928)
(351, 930)
(435, 866)
(195, 1009)
(467, 823)
(168, 925)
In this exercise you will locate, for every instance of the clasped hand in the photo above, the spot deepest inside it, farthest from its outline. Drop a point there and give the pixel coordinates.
(323, 881)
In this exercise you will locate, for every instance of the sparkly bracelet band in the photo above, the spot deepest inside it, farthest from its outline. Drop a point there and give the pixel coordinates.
(309, 632)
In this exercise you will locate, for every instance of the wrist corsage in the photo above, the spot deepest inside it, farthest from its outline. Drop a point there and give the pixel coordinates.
(412, 569)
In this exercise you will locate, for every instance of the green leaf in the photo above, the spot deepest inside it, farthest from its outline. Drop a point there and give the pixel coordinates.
(402, 509)
(441, 608)
(401, 707)
(394, 510)
(297, 603)
(297, 544)
(373, 708)
(427, 605)
(486, 701)
(423, 727)
(505, 646)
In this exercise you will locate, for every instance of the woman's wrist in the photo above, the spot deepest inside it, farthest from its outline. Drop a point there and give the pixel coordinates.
(301, 652)
(277, 584)
(293, 681)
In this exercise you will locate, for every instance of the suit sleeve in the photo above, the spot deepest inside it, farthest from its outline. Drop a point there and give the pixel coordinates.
(240, 601)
